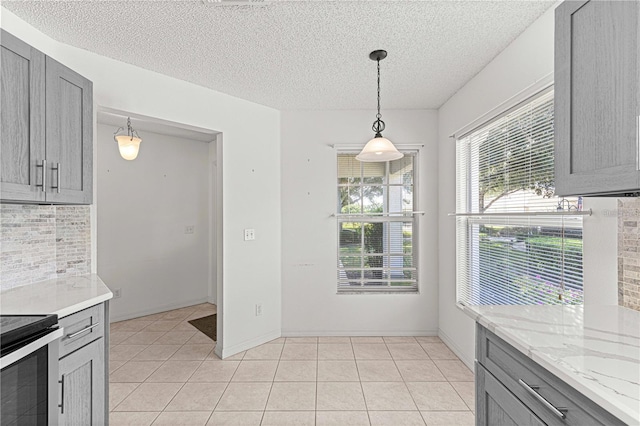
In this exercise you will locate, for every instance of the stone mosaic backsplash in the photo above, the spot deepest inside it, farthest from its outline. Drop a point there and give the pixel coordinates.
(629, 253)
(39, 243)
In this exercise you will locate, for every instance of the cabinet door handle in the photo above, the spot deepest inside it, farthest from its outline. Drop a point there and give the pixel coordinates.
(61, 405)
(57, 169)
(638, 142)
(44, 175)
(532, 391)
(84, 330)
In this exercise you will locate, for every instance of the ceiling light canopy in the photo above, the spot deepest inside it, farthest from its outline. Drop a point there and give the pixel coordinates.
(378, 148)
(128, 144)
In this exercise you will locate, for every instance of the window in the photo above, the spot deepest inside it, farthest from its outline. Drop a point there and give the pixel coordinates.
(517, 243)
(377, 229)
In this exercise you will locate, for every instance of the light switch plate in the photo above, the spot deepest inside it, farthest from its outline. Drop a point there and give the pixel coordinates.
(249, 234)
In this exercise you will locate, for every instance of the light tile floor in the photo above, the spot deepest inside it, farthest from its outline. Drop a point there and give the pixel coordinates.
(164, 372)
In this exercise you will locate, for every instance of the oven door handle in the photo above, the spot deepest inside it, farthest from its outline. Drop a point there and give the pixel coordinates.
(17, 355)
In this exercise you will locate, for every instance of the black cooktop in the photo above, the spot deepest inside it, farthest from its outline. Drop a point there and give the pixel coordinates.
(18, 328)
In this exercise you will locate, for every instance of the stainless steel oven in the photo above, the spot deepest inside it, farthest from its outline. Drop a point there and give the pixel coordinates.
(29, 369)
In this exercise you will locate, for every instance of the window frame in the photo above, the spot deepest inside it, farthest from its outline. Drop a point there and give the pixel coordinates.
(363, 218)
(468, 246)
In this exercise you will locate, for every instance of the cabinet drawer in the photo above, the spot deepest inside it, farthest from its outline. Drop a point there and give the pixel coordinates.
(497, 406)
(532, 385)
(81, 328)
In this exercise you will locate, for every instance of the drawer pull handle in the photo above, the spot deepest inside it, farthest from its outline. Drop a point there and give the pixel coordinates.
(532, 391)
(84, 330)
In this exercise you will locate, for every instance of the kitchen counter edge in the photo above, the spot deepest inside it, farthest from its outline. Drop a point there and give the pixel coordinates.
(60, 296)
(564, 327)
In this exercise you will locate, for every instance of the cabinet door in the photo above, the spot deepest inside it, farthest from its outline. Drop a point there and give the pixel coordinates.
(82, 382)
(596, 97)
(22, 124)
(495, 405)
(69, 133)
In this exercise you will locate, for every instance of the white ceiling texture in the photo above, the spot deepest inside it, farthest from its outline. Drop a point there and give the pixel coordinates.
(299, 54)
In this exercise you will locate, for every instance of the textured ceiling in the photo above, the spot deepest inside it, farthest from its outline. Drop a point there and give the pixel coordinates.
(297, 54)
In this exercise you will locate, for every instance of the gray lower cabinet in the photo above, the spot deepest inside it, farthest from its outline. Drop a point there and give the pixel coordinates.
(511, 389)
(46, 128)
(597, 98)
(495, 405)
(83, 368)
(82, 383)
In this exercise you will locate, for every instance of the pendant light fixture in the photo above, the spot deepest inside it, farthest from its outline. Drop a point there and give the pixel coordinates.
(128, 144)
(378, 148)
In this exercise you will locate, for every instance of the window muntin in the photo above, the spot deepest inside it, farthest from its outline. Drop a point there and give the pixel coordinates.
(515, 254)
(376, 225)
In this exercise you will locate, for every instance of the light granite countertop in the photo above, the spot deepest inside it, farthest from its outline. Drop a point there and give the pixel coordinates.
(62, 296)
(595, 349)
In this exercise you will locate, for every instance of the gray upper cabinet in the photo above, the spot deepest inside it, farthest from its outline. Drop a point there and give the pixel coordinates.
(47, 128)
(597, 98)
(69, 111)
(22, 125)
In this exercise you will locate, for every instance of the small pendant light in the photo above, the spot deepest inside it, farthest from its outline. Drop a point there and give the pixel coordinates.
(128, 144)
(379, 148)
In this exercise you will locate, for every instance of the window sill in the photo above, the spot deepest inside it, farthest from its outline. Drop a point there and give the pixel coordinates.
(352, 292)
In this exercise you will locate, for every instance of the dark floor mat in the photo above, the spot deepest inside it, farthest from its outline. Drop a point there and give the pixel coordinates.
(207, 325)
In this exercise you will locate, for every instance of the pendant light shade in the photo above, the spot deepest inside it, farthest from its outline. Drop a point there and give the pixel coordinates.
(379, 148)
(129, 144)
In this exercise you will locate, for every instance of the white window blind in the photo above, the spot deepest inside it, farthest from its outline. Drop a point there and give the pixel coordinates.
(377, 229)
(517, 243)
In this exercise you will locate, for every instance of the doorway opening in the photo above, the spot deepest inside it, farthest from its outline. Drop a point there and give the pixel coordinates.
(158, 218)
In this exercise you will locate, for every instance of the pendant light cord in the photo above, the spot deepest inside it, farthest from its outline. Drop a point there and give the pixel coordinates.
(378, 116)
(378, 125)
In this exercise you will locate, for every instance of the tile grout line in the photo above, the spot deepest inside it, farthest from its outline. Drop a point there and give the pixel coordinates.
(186, 381)
(114, 408)
(315, 411)
(225, 389)
(273, 379)
(266, 404)
(163, 362)
(168, 359)
(403, 381)
(364, 398)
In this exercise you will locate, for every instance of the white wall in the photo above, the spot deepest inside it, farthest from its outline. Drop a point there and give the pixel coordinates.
(144, 207)
(600, 257)
(250, 164)
(310, 305)
(528, 59)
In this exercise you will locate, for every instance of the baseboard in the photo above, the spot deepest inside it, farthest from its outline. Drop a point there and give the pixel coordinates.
(247, 344)
(456, 350)
(157, 309)
(358, 333)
